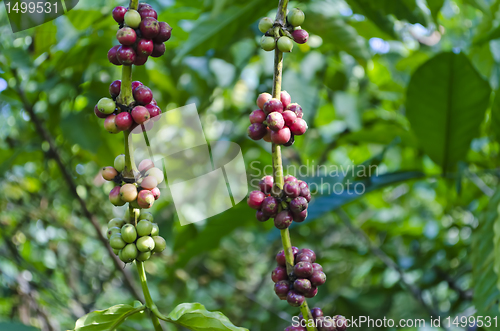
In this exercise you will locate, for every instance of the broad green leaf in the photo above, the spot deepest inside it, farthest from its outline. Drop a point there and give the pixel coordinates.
(195, 317)
(483, 252)
(435, 6)
(102, 319)
(445, 104)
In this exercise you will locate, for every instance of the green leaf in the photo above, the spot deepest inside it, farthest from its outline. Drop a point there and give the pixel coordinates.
(16, 327)
(435, 6)
(495, 115)
(195, 317)
(483, 251)
(445, 104)
(102, 319)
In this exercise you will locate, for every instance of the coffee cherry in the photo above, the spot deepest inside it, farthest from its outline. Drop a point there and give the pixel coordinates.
(155, 231)
(309, 252)
(312, 292)
(153, 110)
(125, 55)
(142, 95)
(160, 244)
(144, 47)
(114, 197)
(295, 328)
(304, 258)
(140, 60)
(143, 256)
(295, 17)
(111, 231)
(260, 216)
(267, 43)
(255, 199)
(144, 228)
(316, 312)
(145, 199)
(282, 288)
(267, 137)
(149, 27)
(98, 113)
(279, 274)
(119, 163)
(294, 299)
(296, 108)
(119, 14)
(156, 193)
(136, 84)
(116, 241)
(300, 36)
(340, 323)
(281, 137)
(148, 12)
(129, 233)
(317, 267)
(164, 33)
(143, 6)
(112, 55)
(280, 257)
(145, 215)
(128, 253)
(132, 18)
(273, 105)
(290, 141)
(149, 183)
(265, 24)
(110, 124)
(123, 121)
(106, 106)
(302, 285)
(270, 206)
(289, 117)
(262, 99)
(298, 127)
(114, 88)
(266, 184)
(324, 324)
(145, 165)
(283, 219)
(257, 116)
(285, 44)
(109, 173)
(145, 244)
(285, 98)
(126, 36)
(128, 192)
(275, 121)
(156, 173)
(140, 114)
(290, 178)
(303, 269)
(318, 278)
(298, 204)
(116, 222)
(291, 189)
(158, 50)
(256, 131)
(300, 217)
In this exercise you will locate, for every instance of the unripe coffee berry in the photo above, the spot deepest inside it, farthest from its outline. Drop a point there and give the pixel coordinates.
(110, 124)
(265, 24)
(128, 253)
(279, 274)
(140, 114)
(303, 269)
(158, 50)
(156, 173)
(143, 256)
(145, 215)
(260, 216)
(145, 165)
(266, 184)
(155, 231)
(302, 285)
(125, 55)
(126, 36)
(116, 222)
(119, 163)
(106, 106)
(300, 36)
(298, 127)
(111, 231)
(164, 33)
(109, 173)
(149, 182)
(124, 121)
(114, 88)
(116, 241)
(282, 288)
(132, 18)
(112, 55)
(267, 43)
(256, 131)
(318, 278)
(142, 95)
(98, 113)
(262, 99)
(145, 244)
(128, 192)
(149, 28)
(285, 98)
(255, 199)
(270, 206)
(285, 44)
(257, 116)
(114, 197)
(144, 228)
(283, 220)
(275, 121)
(294, 299)
(296, 17)
(119, 14)
(129, 233)
(160, 244)
(145, 199)
(273, 105)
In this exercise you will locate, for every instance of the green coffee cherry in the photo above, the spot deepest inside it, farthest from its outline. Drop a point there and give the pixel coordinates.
(116, 251)
(106, 106)
(143, 256)
(132, 18)
(128, 253)
(111, 231)
(129, 234)
(144, 228)
(116, 241)
(296, 17)
(146, 216)
(285, 44)
(160, 244)
(119, 163)
(145, 244)
(155, 231)
(265, 24)
(156, 173)
(116, 222)
(267, 43)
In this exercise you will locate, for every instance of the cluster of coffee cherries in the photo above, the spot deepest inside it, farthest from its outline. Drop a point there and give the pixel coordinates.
(322, 323)
(118, 117)
(276, 120)
(290, 206)
(140, 191)
(140, 35)
(135, 241)
(303, 282)
(291, 31)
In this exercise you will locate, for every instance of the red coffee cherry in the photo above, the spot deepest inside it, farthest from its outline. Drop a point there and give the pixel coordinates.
(149, 27)
(158, 50)
(309, 252)
(164, 33)
(114, 197)
(300, 217)
(149, 183)
(126, 36)
(125, 55)
(303, 269)
(298, 204)
(279, 274)
(294, 299)
(282, 288)
(340, 323)
(266, 184)
(148, 12)
(142, 95)
(136, 84)
(273, 105)
(140, 60)
(145, 199)
(124, 121)
(285, 98)
(316, 312)
(153, 110)
(281, 137)
(298, 127)
(283, 220)
(257, 116)
(119, 14)
(296, 108)
(255, 199)
(140, 114)
(300, 36)
(145, 47)
(256, 131)
(317, 267)
(114, 88)
(275, 121)
(143, 6)
(312, 293)
(302, 285)
(291, 189)
(289, 117)
(290, 178)
(262, 99)
(156, 193)
(318, 278)
(112, 55)
(270, 206)
(260, 216)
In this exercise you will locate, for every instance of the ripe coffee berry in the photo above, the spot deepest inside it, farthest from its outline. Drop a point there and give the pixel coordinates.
(280, 257)
(255, 199)
(256, 131)
(266, 184)
(317, 267)
(298, 127)
(289, 117)
(125, 55)
(296, 108)
(98, 113)
(302, 285)
(126, 36)
(114, 197)
(275, 121)
(282, 288)
(285, 99)
(140, 114)
(294, 299)
(257, 116)
(265, 24)
(291, 189)
(283, 220)
(279, 274)
(148, 12)
(298, 204)
(156, 193)
(281, 137)
(273, 105)
(260, 216)
(305, 255)
(303, 269)
(145, 47)
(145, 165)
(153, 110)
(145, 199)
(123, 121)
(164, 33)
(267, 43)
(142, 95)
(110, 124)
(112, 55)
(114, 88)
(262, 99)
(109, 173)
(149, 183)
(312, 292)
(132, 18)
(270, 206)
(158, 50)
(290, 178)
(156, 173)
(285, 44)
(318, 278)
(300, 217)
(136, 84)
(119, 14)
(149, 27)
(300, 36)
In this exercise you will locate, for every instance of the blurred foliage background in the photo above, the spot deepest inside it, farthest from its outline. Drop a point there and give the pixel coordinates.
(402, 85)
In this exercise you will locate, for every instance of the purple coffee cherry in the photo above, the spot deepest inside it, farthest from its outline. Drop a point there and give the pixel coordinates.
(316, 312)
(283, 219)
(340, 323)
(149, 27)
(273, 105)
(275, 121)
(303, 270)
(140, 114)
(317, 278)
(302, 285)
(317, 267)
(158, 50)
(296, 108)
(257, 116)
(295, 328)
(153, 110)
(291, 189)
(309, 252)
(255, 199)
(279, 274)
(298, 127)
(266, 184)
(136, 84)
(256, 131)
(300, 217)
(114, 88)
(164, 34)
(285, 99)
(282, 288)
(148, 12)
(270, 206)
(124, 121)
(300, 36)
(312, 293)
(140, 60)
(119, 14)
(145, 47)
(301, 257)
(125, 55)
(290, 178)
(291, 141)
(298, 204)
(280, 257)
(142, 95)
(324, 324)
(294, 299)
(289, 117)
(260, 216)
(126, 36)
(112, 55)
